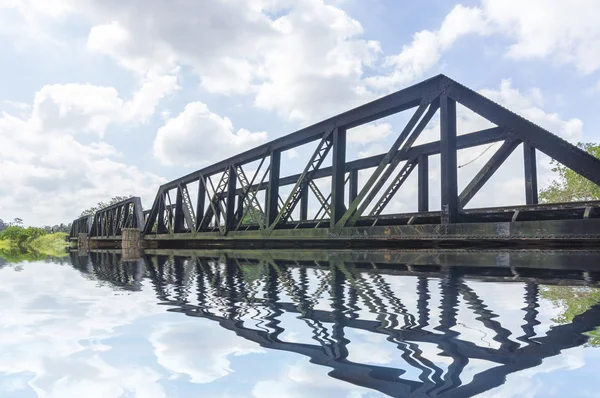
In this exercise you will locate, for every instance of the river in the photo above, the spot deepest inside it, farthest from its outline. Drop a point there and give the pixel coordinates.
(301, 324)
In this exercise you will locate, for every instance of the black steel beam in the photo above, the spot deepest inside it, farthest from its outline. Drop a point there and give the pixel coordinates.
(402, 100)
(487, 171)
(110, 221)
(230, 210)
(353, 185)
(423, 183)
(439, 92)
(239, 213)
(200, 202)
(569, 155)
(470, 140)
(178, 227)
(449, 171)
(304, 203)
(161, 228)
(272, 196)
(338, 175)
(372, 186)
(531, 187)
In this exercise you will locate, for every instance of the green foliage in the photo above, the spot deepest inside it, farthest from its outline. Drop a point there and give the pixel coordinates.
(574, 301)
(21, 237)
(252, 273)
(570, 186)
(102, 205)
(51, 244)
(31, 244)
(16, 255)
(248, 217)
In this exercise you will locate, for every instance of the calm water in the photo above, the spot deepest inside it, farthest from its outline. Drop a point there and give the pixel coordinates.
(301, 324)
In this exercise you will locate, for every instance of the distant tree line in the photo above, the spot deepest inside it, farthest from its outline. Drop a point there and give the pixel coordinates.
(17, 222)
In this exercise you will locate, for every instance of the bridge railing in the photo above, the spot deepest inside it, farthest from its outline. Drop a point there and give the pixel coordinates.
(110, 221)
(248, 194)
(229, 197)
(81, 225)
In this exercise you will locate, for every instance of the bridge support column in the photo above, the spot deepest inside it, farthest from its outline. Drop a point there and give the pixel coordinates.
(82, 241)
(131, 243)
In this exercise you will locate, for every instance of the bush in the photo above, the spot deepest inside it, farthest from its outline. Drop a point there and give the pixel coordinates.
(21, 237)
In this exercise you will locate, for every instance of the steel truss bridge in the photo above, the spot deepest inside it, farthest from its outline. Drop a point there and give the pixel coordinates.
(246, 199)
(334, 294)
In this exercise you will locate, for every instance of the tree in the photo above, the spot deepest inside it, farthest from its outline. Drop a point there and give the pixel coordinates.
(248, 216)
(101, 205)
(17, 222)
(3, 225)
(21, 237)
(570, 186)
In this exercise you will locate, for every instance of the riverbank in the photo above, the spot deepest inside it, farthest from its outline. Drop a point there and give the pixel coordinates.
(24, 244)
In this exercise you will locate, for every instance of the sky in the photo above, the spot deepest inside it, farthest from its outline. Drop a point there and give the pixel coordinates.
(100, 98)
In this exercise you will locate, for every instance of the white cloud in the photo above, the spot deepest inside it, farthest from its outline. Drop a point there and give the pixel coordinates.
(424, 52)
(73, 108)
(302, 59)
(567, 33)
(197, 136)
(303, 379)
(55, 327)
(292, 153)
(176, 349)
(48, 176)
(529, 105)
(367, 133)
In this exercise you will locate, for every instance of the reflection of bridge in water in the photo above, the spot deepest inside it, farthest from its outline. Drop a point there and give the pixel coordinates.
(251, 293)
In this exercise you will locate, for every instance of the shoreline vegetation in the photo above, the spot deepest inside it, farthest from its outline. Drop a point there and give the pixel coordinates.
(31, 244)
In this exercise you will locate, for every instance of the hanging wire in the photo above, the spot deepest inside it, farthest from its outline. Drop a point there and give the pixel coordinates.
(478, 156)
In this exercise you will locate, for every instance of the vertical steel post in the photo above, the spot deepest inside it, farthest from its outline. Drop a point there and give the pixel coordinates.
(304, 203)
(423, 183)
(353, 185)
(178, 227)
(272, 196)
(231, 194)
(200, 202)
(161, 227)
(239, 213)
(126, 217)
(449, 172)
(531, 188)
(338, 173)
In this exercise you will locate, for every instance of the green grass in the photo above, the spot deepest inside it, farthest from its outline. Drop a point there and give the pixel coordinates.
(50, 245)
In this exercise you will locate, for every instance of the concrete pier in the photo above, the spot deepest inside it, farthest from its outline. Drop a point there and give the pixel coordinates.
(82, 241)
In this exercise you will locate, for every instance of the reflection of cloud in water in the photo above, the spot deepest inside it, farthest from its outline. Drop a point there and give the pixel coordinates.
(528, 384)
(53, 325)
(199, 348)
(303, 379)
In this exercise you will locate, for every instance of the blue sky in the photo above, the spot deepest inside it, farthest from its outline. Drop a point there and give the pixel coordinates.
(105, 98)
